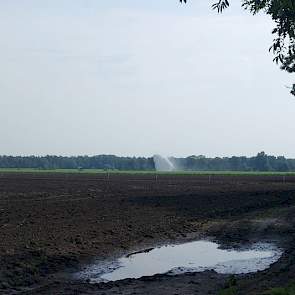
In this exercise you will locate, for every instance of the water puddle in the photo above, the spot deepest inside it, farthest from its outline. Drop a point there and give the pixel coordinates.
(188, 257)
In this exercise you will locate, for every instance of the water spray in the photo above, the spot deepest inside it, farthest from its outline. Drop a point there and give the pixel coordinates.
(163, 163)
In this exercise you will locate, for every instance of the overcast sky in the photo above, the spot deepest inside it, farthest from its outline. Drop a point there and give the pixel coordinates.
(139, 77)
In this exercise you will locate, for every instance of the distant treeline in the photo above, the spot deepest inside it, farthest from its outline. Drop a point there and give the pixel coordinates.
(106, 162)
(261, 162)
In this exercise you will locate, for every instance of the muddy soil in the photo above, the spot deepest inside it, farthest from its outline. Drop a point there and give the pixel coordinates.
(52, 224)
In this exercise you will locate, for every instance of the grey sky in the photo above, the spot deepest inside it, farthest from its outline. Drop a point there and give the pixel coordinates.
(139, 77)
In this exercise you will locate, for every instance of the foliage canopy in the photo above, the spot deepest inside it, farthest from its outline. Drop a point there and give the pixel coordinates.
(261, 162)
(283, 14)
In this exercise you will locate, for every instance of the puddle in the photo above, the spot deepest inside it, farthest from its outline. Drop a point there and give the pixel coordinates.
(188, 257)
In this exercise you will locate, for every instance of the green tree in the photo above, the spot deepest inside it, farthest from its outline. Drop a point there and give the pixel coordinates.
(261, 162)
(283, 14)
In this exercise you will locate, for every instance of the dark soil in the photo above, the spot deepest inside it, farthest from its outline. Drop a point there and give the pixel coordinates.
(51, 224)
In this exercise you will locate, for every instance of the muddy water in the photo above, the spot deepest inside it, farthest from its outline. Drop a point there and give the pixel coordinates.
(193, 256)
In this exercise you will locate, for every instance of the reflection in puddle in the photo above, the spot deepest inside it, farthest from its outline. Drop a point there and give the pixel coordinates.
(188, 257)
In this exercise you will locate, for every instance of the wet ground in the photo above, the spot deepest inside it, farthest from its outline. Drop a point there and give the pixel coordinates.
(51, 225)
(195, 256)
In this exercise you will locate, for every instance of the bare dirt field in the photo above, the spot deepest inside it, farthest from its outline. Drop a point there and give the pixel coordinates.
(52, 224)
